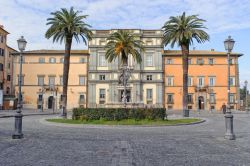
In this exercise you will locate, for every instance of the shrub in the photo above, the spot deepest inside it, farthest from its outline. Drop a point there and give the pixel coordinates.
(118, 113)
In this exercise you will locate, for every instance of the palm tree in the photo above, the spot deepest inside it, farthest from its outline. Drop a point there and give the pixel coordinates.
(122, 44)
(64, 26)
(181, 30)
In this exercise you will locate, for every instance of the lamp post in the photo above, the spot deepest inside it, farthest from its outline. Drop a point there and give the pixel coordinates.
(229, 44)
(18, 116)
(246, 95)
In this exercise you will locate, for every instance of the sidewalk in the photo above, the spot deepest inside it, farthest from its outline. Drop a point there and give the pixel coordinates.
(26, 112)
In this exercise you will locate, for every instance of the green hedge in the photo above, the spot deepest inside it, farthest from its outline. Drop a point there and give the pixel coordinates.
(118, 113)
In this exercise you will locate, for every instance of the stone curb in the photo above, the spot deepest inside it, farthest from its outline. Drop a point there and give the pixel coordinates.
(44, 121)
(10, 116)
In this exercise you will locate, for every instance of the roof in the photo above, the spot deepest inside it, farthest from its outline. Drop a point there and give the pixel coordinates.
(43, 51)
(198, 52)
(12, 49)
(4, 30)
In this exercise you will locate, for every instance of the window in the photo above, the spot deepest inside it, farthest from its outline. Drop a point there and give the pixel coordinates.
(61, 80)
(190, 81)
(8, 65)
(232, 81)
(149, 42)
(40, 80)
(61, 60)
(231, 99)
(102, 77)
(170, 81)
(8, 77)
(82, 80)
(41, 60)
(1, 67)
(1, 52)
(189, 61)
(231, 61)
(2, 38)
(210, 61)
(102, 60)
(22, 79)
(40, 97)
(82, 60)
(101, 96)
(200, 81)
(51, 81)
(200, 61)
(81, 99)
(212, 98)
(190, 98)
(52, 60)
(211, 81)
(149, 59)
(169, 61)
(149, 77)
(170, 99)
(7, 90)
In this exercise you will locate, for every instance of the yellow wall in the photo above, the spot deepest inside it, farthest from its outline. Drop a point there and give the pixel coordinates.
(31, 69)
(219, 70)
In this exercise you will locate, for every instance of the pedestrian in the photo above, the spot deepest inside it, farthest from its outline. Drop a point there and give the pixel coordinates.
(224, 107)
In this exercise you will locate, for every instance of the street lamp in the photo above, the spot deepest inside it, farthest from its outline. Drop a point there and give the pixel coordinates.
(246, 95)
(18, 116)
(229, 44)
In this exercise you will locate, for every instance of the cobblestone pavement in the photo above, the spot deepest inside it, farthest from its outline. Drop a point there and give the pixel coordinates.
(200, 144)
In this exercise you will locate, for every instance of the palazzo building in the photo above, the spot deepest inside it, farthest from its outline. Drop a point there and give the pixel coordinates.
(207, 80)
(145, 86)
(42, 78)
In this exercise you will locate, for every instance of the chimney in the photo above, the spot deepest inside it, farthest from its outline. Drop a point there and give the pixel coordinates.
(212, 49)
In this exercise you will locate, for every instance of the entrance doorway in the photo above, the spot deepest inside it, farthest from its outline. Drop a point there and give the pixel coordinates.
(50, 102)
(128, 95)
(201, 102)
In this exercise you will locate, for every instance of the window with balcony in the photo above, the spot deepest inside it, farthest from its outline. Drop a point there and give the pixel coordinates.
(52, 81)
(201, 82)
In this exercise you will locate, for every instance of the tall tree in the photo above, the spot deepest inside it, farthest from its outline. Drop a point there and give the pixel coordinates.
(180, 31)
(122, 44)
(64, 26)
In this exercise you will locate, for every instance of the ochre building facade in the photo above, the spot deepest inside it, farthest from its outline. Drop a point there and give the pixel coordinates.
(207, 80)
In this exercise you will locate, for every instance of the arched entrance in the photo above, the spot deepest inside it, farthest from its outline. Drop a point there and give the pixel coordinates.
(201, 103)
(50, 102)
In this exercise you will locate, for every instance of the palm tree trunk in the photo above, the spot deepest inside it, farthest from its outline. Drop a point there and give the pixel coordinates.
(185, 53)
(66, 75)
(124, 72)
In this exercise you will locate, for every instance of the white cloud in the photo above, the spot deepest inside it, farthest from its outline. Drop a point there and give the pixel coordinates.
(28, 18)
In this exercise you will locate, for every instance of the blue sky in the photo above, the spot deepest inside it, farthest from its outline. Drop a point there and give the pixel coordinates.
(224, 17)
